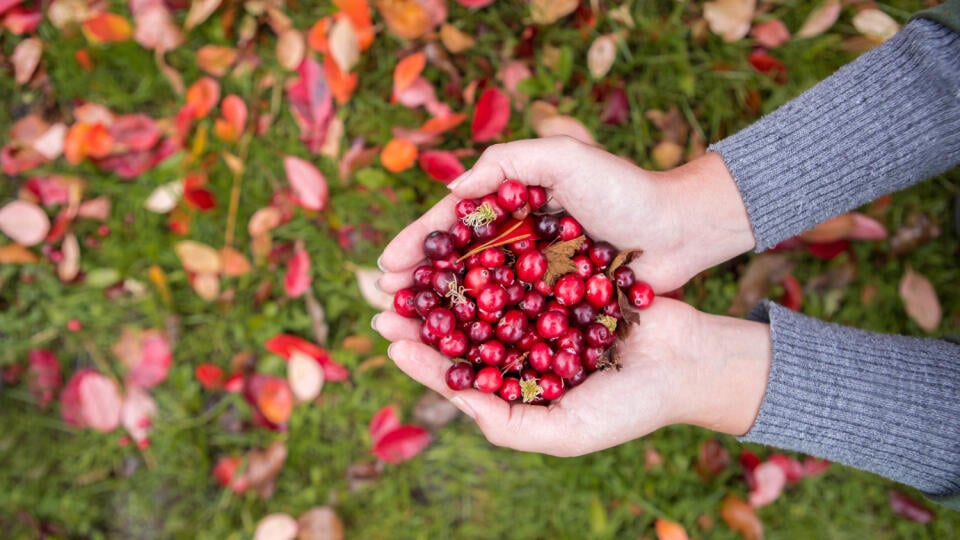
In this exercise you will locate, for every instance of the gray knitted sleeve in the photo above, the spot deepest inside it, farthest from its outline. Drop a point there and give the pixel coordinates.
(887, 120)
(881, 403)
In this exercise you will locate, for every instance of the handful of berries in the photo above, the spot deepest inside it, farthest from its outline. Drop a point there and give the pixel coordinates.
(521, 300)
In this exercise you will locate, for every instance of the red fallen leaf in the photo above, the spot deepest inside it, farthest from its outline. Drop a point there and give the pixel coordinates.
(130, 165)
(100, 402)
(792, 469)
(491, 115)
(813, 466)
(70, 399)
(311, 104)
(43, 376)
(20, 20)
(749, 461)
(228, 473)
(107, 28)
(769, 480)
(203, 95)
(770, 34)
(134, 132)
(385, 421)
(47, 191)
(792, 293)
(200, 198)
(82, 56)
(210, 376)
(146, 355)
(401, 444)
(84, 140)
(234, 118)
(137, 413)
(741, 518)
(616, 106)
(5, 5)
(764, 63)
(308, 183)
(828, 250)
(234, 383)
(284, 345)
(909, 508)
(441, 165)
(297, 280)
(24, 222)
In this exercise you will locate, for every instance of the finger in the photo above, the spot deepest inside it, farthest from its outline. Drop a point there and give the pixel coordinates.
(391, 282)
(395, 327)
(540, 162)
(405, 251)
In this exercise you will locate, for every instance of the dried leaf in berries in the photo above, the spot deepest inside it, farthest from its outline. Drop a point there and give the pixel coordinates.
(741, 518)
(626, 256)
(385, 421)
(560, 258)
(908, 507)
(920, 300)
(401, 444)
(491, 115)
(669, 530)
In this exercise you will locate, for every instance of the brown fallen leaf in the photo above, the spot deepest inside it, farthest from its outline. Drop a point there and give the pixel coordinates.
(263, 466)
(920, 300)
(198, 258)
(918, 230)
(712, 459)
(454, 40)
(741, 518)
(17, 254)
(320, 523)
(762, 272)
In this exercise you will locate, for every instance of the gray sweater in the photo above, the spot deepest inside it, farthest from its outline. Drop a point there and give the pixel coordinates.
(886, 404)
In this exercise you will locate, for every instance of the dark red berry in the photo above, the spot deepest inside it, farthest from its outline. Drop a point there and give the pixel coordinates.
(460, 376)
(510, 389)
(598, 335)
(492, 353)
(451, 262)
(512, 326)
(423, 277)
(428, 337)
(551, 324)
(624, 277)
(515, 292)
(602, 253)
(465, 311)
(547, 226)
(613, 310)
(572, 340)
(536, 197)
(503, 275)
(566, 364)
(462, 235)
(599, 290)
(441, 281)
(440, 321)
(438, 245)
(479, 331)
(491, 317)
(528, 339)
(473, 354)
(551, 386)
(522, 246)
(583, 314)
(585, 267)
(569, 228)
(425, 301)
(403, 302)
(514, 361)
(484, 232)
(640, 295)
(591, 356)
(488, 380)
(569, 289)
(532, 304)
(454, 344)
(531, 266)
(541, 356)
(543, 288)
(576, 380)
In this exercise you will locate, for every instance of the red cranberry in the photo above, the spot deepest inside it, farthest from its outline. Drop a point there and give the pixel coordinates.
(480, 331)
(492, 353)
(512, 194)
(602, 253)
(541, 356)
(498, 211)
(461, 234)
(624, 277)
(551, 324)
(493, 257)
(484, 232)
(512, 326)
(438, 245)
(423, 277)
(546, 226)
(551, 386)
(598, 335)
(572, 340)
(577, 379)
(510, 389)
(473, 354)
(543, 288)
(599, 290)
(454, 344)
(429, 337)
(515, 292)
(476, 279)
(531, 266)
(449, 263)
(465, 207)
(521, 213)
(441, 281)
(522, 246)
(570, 228)
(640, 295)
(566, 364)
(583, 314)
(613, 310)
(528, 339)
(585, 268)
(472, 261)
(459, 376)
(513, 361)
(403, 302)
(532, 304)
(591, 356)
(440, 321)
(488, 380)
(569, 289)
(489, 316)
(553, 305)
(465, 311)
(425, 301)
(536, 197)
(503, 275)
(491, 298)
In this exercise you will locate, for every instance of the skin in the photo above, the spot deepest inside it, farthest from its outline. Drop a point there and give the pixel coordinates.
(679, 365)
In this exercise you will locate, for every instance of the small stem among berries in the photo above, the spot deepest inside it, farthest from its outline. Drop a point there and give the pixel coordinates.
(483, 215)
(456, 293)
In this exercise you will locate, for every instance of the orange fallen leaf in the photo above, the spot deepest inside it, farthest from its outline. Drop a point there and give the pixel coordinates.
(407, 71)
(398, 155)
(405, 18)
(317, 35)
(341, 84)
(670, 530)
(455, 40)
(107, 28)
(216, 59)
(442, 124)
(17, 254)
(203, 96)
(87, 140)
(741, 518)
(234, 263)
(358, 11)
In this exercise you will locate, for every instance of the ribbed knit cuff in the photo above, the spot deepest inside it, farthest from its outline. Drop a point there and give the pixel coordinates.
(885, 121)
(881, 403)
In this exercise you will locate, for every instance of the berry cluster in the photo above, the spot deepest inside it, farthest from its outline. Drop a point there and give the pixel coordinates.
(521, 300)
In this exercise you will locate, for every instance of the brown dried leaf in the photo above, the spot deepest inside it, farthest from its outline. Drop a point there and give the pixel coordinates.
(361, 475)
(741, 518)
(17, 254)
(837, 277)
(263, 466)
(318, 318)
(920, 300)
(560, 258)
(454, 40)
(918, 230)
(320, 523)
(358, 343)
(626, 256)
(712, 460)
(670, 123)
(550, 11)
(763, 271)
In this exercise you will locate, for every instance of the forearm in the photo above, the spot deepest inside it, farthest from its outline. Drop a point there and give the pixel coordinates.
(887, 120)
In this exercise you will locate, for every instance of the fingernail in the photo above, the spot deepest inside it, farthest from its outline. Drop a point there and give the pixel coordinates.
(380, 264)
(464, 407)
(377, 285)
(390, 351)
(373, 322)
(459, 180)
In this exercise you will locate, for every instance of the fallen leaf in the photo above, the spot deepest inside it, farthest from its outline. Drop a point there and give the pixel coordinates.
(264, 220)
(69, 265)
(405, 18)
(762, 272)
(562, 124)
(491, 115)
(866, 228)
(17, 254)
(455, 40)
(273, 398)
(920, 300)
(291, 49)
(263, 466)
(671, 123)
(741, 518)
(384, 421)
(137, 412)
(550, 11)
(233, 121)
(820, 19)
(344, 44)
(770, 34)
(228, 473)
(50, 144)
(669, 530)
(398, 155)
(234, 263)
(277, 526)
(367, 282)
(601, 55)
(769, 479)
(203, 96)
(441, 165)
(875, 24)
(164, 198)
(105, 27)
(917, 230)
(764, 63)
(100, 402)
(210, 376)
(408, 70)
(24, 222)
(311, 103)
(729, 19)
(712, 459)
(297, 279)
(200, 10)
(157, 31)
(284, 345)
(216, 59)
(909, 508)
(197, 257)
(134, 132)
(309, 185)
(434, 411)
(320, 523)
(26, 58)
(44, 378)
(305, 377)
(666, 155)
(84, 140)
(401, 444)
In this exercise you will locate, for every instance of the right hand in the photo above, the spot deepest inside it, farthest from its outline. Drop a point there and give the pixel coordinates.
(684, 220)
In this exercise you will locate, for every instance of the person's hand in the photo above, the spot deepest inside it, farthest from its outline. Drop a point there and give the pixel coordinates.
(684, 220)
(678, 365)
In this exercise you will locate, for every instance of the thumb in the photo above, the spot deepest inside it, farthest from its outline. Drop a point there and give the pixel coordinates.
(535, 162)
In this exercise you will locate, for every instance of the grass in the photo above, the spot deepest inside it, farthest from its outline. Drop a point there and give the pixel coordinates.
(460, 486)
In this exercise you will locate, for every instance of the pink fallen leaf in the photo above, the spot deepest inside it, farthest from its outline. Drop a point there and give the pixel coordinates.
(417, 94)
(813, 466)
(5, 5)
(866, 228)
(26, 58)
(96, 209)
(264, 220)
(155, 360)
(297, 279)
(511, 74)
(401, 444)
(730, 19)
(311, 104)
(367, 281)
(134, 132)
(792, 468)
(50, 144)
(277, 526)
(770, 34)
(920, 300)
(69, 265)
(309, 185)
(909, 508)
(47, 191)
(43, 376)
(70, 410)
(154, 27)
(769, 481)
(100, 402)
(441, 165)
(291, 49)
(200, 10)
(385, 421)
(601, 55)
(137, 412)
(356, 157)
(475, 3)
(491, 115)
(24, 222)
(820, 19)
(305, 377)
